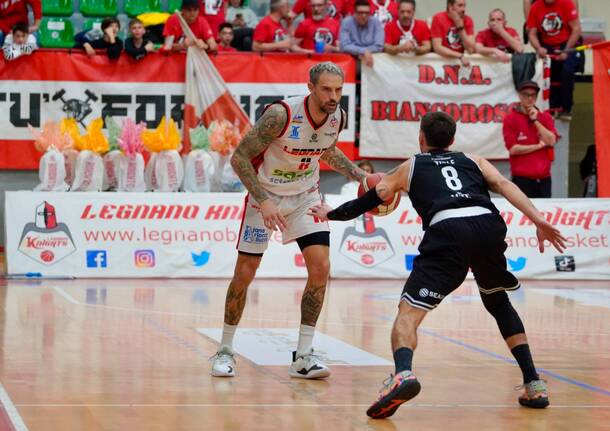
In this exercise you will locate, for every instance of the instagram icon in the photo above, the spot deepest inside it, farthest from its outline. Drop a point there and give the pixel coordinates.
(144, 258)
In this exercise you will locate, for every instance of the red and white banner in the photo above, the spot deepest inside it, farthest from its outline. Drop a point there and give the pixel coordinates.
(399, 90)
(51, 85)
(194, 235)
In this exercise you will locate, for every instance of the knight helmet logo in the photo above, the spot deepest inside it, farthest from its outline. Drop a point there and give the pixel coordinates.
(45, 240)
(368, 246)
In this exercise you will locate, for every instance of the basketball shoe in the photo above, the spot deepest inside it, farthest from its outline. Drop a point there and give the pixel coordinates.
(396, 390)
(223, 362)
(535, 395)
(308, 366)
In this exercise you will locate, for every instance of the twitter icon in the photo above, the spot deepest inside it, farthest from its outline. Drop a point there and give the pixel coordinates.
(517, 264)
(201, 258)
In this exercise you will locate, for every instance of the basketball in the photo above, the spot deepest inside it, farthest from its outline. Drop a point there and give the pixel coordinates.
(385, 208)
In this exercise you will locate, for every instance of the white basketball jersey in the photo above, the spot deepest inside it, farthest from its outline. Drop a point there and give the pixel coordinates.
(290, 164)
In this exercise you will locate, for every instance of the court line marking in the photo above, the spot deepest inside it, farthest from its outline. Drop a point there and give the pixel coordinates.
(512, 361)
(72, 300)
(418, 405)
(11, 410)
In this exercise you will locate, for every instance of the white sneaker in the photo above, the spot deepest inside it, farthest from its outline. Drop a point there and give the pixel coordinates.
(223, 364)
(308, 366)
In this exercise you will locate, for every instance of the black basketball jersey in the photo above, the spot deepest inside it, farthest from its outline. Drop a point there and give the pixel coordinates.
(441, 180)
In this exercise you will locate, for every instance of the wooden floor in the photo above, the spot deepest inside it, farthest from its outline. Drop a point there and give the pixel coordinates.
(127, 355)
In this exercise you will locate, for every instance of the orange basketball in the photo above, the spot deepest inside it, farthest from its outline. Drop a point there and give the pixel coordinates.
(385, 208)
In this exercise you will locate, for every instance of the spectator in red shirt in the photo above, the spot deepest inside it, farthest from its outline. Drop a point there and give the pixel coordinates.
(527, 5)
(225, 37)
(13, 12)
(407, 34)
(529, 136)
(453, 32)
(320, 27)
(336, 9)
(498, 40)
(270, 34)
(214, 11)
(553, 26)
(175, 37)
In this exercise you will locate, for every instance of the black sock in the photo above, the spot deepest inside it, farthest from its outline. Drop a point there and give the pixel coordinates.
(402, 359)
(524, 358)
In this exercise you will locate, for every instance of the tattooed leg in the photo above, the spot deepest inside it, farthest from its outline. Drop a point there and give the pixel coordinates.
(245, 270)
(318, 268)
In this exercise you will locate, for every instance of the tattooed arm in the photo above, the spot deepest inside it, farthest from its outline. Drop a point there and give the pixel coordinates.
(335, 158)
(256, 141)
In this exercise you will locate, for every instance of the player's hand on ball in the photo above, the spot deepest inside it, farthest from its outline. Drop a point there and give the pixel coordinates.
(272, 217)
(320, 211)
(546, 231)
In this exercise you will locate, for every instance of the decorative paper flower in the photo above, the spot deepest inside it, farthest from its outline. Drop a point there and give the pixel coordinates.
(165, 137)
(130, 140)
(50, 137)
(113, 133)
(224, 137)
(70, 126)
(94, 140)
(199, 138)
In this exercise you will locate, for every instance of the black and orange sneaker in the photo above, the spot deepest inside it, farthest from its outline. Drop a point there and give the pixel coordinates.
(396, 390)
(535, 395)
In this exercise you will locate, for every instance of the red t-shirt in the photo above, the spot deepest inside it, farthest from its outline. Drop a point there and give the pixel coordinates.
(214, 12)
(518, 129)
(395, 34)
(444, 28)
(336, 8)
(552, 20)
(201, 28)
(15, 11)
(269, 31)
(310, 31)
(385, 11)
(491, 39)
(222, 48)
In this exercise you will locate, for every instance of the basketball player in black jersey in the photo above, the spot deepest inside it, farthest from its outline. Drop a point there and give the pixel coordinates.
(463, 229)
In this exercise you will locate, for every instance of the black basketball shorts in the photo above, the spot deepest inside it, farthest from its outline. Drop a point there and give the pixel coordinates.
(452, 246)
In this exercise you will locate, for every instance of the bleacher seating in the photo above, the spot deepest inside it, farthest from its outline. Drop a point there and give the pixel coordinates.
(57, 7)
(56, 32)
(137, 7)
(101, 8)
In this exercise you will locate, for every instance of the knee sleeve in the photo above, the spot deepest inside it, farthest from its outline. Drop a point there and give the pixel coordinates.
(499, 306)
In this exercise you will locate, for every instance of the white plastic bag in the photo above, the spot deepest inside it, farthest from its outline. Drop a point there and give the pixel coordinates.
(52, 172)
(131, 174)
(169, 171)
(198, 171)
(111, 169)
(70, 156)
(89, 173)
(150, 176)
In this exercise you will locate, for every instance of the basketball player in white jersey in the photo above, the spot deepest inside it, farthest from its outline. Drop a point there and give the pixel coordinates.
(278, 162)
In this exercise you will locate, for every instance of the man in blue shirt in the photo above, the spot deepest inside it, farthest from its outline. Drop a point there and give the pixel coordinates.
(362, 34)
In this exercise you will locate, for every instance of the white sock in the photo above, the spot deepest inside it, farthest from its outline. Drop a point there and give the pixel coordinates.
(228, 332)
(305, 339)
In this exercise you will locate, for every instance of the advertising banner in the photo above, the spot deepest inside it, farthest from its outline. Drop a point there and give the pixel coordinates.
(194, 235)
(400, 90)
(51, 85)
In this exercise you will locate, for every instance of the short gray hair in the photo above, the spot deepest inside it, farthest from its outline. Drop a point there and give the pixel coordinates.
(274, 5)
(324, 67)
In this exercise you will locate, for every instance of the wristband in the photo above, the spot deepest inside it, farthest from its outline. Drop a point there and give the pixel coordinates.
(356, 207)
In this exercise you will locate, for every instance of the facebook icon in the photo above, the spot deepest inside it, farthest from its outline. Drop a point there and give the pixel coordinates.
(96, 259)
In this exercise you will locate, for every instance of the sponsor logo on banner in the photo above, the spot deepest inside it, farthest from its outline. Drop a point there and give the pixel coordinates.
(97, 259)
(200, 259)
(368, 246)
(140, 212)
(45, 240)
(565, 263)
(299, 260)
(255, 235)
(144, 258)
(516, 264)
(409, 258)
(75, 108)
